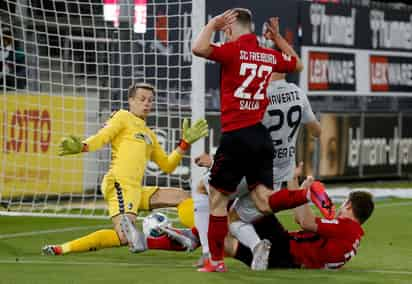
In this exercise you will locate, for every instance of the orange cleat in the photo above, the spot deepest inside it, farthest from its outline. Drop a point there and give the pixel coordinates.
(321, 199)
(209, 267)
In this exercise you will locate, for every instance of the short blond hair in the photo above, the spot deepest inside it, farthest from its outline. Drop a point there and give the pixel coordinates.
(140, 85)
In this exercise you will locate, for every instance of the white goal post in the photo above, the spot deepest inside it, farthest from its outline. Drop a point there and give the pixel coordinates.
(65, 66)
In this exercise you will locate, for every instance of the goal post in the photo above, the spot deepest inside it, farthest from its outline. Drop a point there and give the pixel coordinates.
(67, 68)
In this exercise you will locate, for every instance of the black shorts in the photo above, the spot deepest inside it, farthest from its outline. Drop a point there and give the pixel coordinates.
(269, 227)
(246, 152)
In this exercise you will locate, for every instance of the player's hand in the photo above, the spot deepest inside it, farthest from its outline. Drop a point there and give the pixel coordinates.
(198, 130)
(298, 170)
(204, 160)
(70, 145)
(307, 182)
(272, 28)
(224, 20)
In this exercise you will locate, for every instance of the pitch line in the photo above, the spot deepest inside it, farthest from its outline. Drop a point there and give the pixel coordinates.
(70, 229)
(45, 232)
(168, 265)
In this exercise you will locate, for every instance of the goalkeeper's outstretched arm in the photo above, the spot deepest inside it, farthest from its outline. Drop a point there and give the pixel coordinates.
(168, 163)
(73, 144)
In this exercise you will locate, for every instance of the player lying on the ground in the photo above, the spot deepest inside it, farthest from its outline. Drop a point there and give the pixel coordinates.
(133, 145)
(323, 243)
(247, 212)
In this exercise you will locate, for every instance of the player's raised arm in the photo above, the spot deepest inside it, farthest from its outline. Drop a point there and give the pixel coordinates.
(190, 134)
(304, 215)
(201, 46)
(314, 128)
(272, 33)
(308, 117)
(73, 144)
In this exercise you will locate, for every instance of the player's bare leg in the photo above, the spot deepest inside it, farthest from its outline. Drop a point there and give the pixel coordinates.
(168, 197)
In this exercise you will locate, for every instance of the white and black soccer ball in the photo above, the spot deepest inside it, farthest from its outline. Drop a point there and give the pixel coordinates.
(152, 222)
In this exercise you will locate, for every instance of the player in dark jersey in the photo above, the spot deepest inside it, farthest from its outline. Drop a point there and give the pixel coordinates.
(245, 148)
(323, 243)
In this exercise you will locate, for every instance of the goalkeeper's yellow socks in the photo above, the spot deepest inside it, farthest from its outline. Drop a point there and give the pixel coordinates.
(97, 240)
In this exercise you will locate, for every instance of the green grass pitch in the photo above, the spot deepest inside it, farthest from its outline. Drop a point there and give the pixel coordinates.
(385, 256)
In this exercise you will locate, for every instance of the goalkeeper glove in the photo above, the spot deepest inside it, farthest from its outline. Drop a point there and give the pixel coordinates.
(70, 145)
(191, 134)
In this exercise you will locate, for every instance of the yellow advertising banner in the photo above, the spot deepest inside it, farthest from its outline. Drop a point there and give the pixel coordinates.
(31, 128)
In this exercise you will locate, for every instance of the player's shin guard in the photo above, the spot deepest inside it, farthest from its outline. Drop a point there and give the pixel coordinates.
(218, 229)
(287, 199)
(201, 203)
(136, 239)
(245, 233)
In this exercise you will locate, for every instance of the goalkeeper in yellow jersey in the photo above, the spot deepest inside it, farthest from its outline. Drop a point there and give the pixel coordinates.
(133, 145)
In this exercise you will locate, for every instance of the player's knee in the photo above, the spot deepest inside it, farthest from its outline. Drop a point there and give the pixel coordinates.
(217, 200)
(201, 188)
(261, 199)
(263, 207)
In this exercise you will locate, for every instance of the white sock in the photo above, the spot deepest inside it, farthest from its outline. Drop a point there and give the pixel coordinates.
(201, 204)
(245, 233)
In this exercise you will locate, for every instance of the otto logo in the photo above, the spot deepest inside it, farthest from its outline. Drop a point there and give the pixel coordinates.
(26, 130)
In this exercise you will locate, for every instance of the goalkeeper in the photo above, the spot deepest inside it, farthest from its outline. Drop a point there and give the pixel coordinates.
(133, 145)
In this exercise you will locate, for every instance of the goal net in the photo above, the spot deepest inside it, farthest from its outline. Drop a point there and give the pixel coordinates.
(65, 66)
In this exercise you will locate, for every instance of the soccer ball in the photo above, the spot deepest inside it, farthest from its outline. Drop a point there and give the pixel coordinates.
(152, 222)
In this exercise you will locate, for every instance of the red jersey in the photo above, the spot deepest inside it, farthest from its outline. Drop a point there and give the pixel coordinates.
(244, 75)
(335, 243)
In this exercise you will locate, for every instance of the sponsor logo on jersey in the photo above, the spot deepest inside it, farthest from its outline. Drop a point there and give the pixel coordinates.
(130, 206)
(144, 137)
(326, 221)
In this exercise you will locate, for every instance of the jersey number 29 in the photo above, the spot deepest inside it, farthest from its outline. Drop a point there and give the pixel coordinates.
(292, 121)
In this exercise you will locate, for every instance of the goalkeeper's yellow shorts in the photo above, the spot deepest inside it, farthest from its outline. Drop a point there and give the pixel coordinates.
(146, 195)
(124, 196)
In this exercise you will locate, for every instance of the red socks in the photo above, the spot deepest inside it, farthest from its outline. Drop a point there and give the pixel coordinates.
(163, 243)
(218, 229)
(287, 199)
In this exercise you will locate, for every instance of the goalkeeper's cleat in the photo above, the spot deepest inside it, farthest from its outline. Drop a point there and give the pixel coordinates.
(185, 237)
(137, 240)
(209, 267)
(321, 199)
(202, 261)
(52, 250)
(261, 255)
